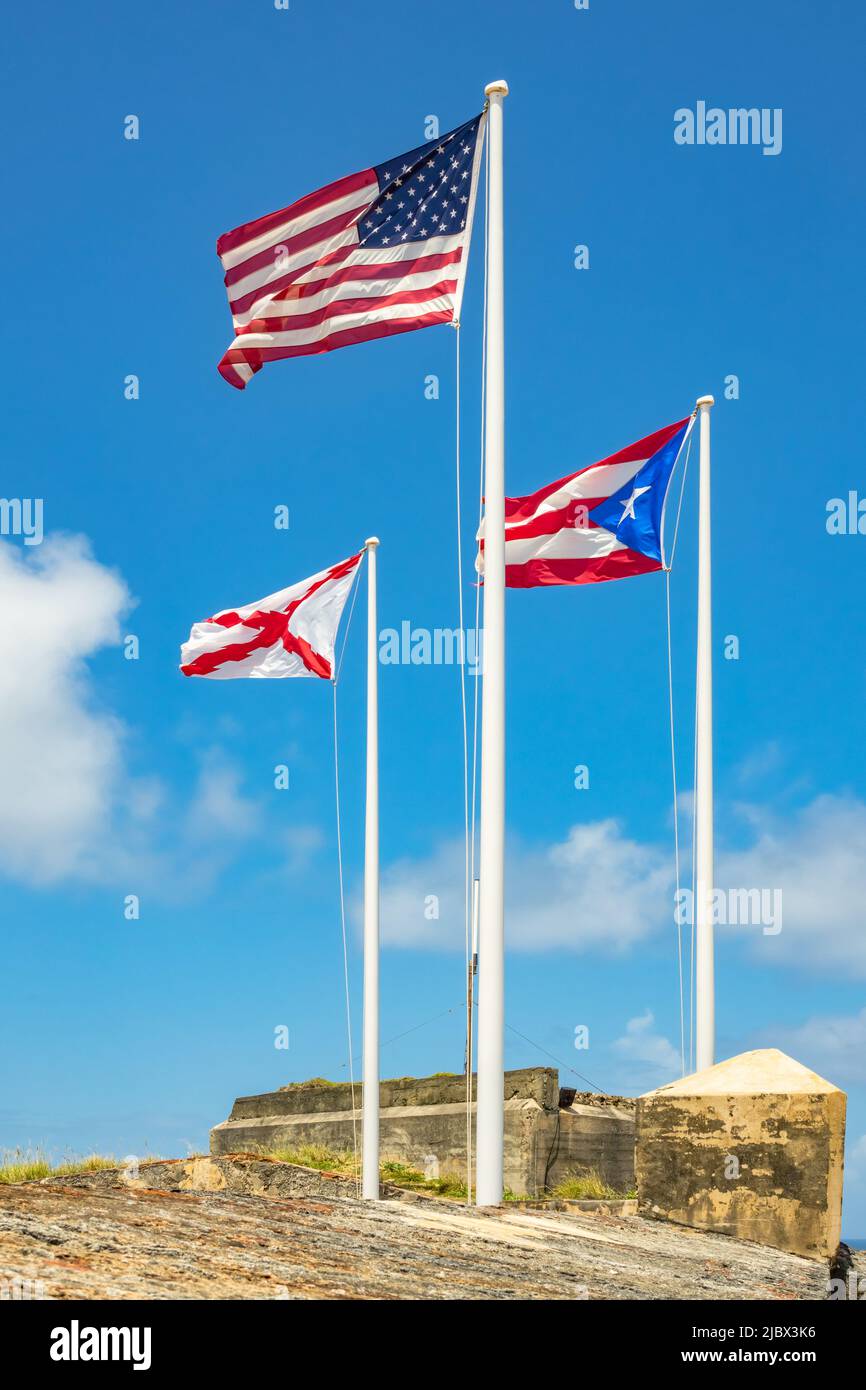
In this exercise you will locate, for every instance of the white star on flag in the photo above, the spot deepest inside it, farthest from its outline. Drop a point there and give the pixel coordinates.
(628, 507)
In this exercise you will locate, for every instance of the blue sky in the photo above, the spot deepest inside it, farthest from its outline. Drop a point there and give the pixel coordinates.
(121, 777)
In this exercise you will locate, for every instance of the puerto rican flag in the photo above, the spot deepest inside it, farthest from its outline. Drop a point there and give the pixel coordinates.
(603, 522)
(379, 252)
(289, 633)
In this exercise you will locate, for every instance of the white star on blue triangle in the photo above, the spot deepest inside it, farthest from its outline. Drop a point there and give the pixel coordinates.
(634, 512)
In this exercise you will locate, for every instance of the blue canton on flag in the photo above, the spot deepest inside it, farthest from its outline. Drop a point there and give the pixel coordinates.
(425, 192)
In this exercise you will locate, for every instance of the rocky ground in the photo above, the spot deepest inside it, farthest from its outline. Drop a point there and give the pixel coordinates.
(252, 1229)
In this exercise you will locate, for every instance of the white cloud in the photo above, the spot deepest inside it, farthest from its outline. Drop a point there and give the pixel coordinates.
(652, 1060)
(817, 857)
(760, 763)
(600, 890)
(218, 807)
(295, 849)
(596, 889)
(832, 1045)
(70, 806)
(60, 753)
(301, 843)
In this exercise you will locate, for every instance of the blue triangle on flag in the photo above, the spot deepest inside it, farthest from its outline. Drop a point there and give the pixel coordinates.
(634, 512)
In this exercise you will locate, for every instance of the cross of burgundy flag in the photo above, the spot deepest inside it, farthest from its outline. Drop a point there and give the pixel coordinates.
(290, 633)
(379, 252)
(603, 522)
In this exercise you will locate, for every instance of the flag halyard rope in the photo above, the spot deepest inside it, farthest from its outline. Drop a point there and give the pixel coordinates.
(669, 566)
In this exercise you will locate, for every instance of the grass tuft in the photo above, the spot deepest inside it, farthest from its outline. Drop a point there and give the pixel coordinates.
(314, 1081)
(30, 1165)
(401, 1175)
(316, 1156)
(585, 1186)
(392, 1171)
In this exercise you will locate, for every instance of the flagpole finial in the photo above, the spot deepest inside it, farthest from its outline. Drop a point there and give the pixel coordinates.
(497, 88)
(704, 400)
(371, 542)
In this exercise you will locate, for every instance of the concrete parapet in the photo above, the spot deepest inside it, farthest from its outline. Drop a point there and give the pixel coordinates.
(423, 1123)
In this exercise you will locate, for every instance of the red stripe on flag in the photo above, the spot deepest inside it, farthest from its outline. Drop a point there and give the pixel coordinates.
(548, 523)
(230, 374)
(255, 357)
(282, 282)
(620, 564)
(291, 322)
(248, 231)
(389, 270)
(311, 236)
(518, 507)
(277, 289)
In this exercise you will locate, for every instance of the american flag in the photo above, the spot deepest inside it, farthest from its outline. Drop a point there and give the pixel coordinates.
(379, 252)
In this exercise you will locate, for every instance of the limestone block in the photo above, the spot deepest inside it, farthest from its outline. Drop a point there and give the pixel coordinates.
(752, 1147)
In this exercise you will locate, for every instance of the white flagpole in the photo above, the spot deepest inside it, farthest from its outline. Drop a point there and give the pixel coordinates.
(490, 1118)
(370, 1102)
(704, 966)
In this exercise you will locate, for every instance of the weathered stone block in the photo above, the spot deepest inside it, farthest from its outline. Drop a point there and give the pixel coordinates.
(751, 1147)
